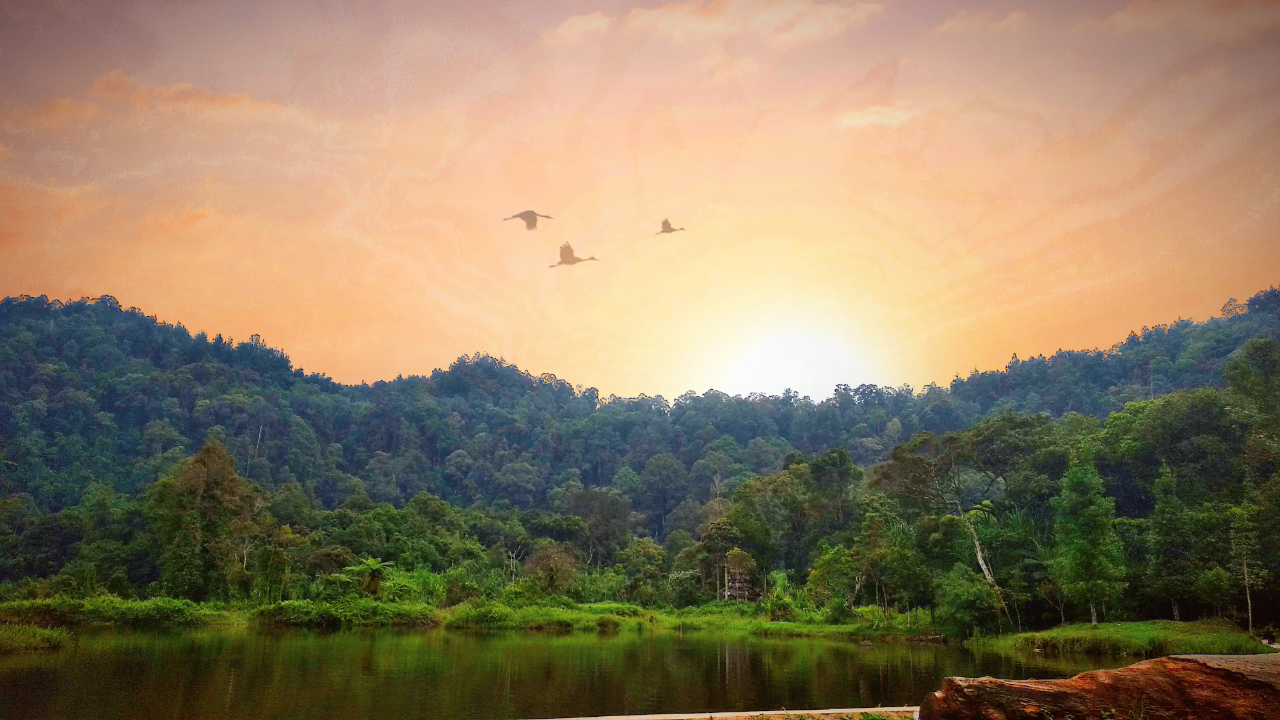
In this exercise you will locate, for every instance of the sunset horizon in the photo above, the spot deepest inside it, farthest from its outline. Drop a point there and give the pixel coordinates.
(879, 193)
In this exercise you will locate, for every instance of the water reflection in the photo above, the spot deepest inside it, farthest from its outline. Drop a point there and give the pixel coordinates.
(244, 673)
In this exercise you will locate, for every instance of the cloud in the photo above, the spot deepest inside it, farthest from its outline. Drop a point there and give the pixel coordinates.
(576, 28)
(182, 98)
(61, 112)
(967, 21)
(1212, 18)
(5, 152)
(780, 24)
(889, 116)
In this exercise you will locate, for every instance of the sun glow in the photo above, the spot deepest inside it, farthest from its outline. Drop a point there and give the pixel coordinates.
(810, 362)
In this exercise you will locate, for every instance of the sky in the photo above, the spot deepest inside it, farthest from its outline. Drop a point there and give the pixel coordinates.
(872, 192)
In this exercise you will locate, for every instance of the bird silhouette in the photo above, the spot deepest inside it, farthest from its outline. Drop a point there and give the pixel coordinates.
(530, 219)
(666, 227)
(568, 258)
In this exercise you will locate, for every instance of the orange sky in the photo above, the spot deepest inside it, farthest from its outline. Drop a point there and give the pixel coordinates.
(879, 192)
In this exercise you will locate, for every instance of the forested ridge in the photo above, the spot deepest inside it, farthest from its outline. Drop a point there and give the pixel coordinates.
(138, 459)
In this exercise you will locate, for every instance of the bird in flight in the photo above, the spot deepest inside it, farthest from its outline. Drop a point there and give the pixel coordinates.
(530, 219)
(666, 227)
(568, 258)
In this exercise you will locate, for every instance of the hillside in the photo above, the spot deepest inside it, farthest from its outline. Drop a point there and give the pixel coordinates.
(91, 391)
(139, 460)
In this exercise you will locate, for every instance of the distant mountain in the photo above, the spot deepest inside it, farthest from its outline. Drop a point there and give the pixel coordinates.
(91, 391)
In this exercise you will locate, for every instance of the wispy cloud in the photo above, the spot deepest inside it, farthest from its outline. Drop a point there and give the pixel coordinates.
(183, 98)
(577, 28)
(60, 113)
(780, 24)
(969, 21)
(889, 116)
(1212, 18)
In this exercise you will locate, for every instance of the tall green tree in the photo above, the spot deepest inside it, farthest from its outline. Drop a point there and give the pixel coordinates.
(1246, 553)
(1090, 559)
(1171, 567)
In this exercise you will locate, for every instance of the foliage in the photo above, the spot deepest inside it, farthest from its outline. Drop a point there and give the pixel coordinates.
(108, 610)
(139, 461)
(24, 638)
(1141, 639)
(352, 612)
(1089, 563)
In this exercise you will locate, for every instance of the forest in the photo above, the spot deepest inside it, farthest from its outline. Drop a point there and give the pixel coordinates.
(1138, 482)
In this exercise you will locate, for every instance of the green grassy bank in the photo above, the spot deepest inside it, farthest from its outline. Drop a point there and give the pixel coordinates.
(552, 615)
(347, 614)
(1148, 639)
(25, 638)
(107, 610)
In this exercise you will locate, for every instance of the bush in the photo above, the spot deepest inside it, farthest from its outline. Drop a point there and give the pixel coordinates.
(1143, 639)
(479, 615)
(966, 603)
(459, 587)
(105, 610)
(354, 612)
(781, 608)
(24, 638)
(608, 624)
(836, 612)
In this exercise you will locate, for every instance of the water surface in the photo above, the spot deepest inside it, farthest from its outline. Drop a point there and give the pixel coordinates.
(252, 674)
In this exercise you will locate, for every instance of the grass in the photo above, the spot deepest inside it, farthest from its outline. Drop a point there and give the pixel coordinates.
(107, 610)
(352, 613)
(598, 617)
(555, 615)
(1148, 639)
(25, 638)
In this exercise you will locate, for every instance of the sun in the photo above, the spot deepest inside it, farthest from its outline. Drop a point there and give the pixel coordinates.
(809, 361)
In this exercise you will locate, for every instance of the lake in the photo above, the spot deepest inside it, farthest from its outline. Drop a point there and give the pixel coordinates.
(244, 672)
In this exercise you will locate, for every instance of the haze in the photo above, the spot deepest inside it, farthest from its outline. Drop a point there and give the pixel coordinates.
(878, 192)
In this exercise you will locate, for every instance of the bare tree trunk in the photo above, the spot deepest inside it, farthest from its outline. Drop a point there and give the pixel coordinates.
(1248, 597)
(982, 560)
(1093, 611)
(1174, 603)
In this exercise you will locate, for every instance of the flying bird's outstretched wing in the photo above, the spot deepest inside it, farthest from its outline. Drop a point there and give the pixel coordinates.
(566, 253)
(666, 225)
(530, 219)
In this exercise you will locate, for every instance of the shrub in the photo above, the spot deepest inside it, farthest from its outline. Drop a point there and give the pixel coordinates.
(105, 610)
(459, 587)
(479, 615)
(24, 638)
(354, 612)
(966, 603)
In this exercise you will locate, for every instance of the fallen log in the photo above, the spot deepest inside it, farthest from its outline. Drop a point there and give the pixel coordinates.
(1180, 687)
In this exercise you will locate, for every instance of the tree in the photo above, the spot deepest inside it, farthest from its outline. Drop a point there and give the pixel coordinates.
(739, 568)
(643, 562)
(608, 518)
(1246, 553)
(665, 479)
(517, 482)
(1171, 568)
(1255, 373)
(553, 567)
(370, 572)
(1090, 559)
(204, 516)
(1214, 587)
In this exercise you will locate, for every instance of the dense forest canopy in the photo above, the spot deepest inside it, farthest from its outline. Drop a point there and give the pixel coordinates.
(137, 458)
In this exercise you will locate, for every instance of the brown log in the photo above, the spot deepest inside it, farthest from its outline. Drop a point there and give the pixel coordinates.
(1181, 687)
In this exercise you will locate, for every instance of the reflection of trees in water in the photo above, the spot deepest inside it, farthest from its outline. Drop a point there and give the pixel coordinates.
(245, 674)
